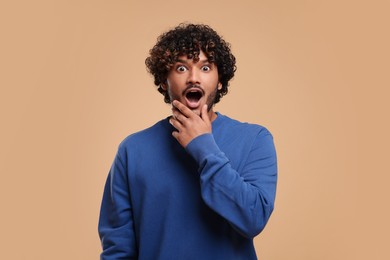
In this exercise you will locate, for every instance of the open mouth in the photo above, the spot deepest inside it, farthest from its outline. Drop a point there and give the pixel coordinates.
(193, 97)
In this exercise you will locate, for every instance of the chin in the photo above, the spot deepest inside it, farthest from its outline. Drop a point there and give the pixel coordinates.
(196, 111)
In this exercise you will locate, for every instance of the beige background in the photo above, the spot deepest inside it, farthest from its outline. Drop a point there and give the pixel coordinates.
(73, 85)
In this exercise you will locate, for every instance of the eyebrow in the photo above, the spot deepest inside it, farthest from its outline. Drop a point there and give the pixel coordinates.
(200, 60)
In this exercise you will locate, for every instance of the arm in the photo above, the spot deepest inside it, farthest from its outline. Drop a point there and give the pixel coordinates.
(116, 229)
(245, 199)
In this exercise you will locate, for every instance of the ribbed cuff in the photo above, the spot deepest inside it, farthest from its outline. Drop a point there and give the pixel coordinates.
(202, 146)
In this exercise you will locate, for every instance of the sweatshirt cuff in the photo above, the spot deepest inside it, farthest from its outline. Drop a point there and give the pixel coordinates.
(202, 146)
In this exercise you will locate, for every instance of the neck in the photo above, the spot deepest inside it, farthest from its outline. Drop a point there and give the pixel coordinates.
(212, 115)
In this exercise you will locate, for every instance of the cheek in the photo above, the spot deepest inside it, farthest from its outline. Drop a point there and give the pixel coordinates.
(215, 79)
(173, 89)
(175, 82)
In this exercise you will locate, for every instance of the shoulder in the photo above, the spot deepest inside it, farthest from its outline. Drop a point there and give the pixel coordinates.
(237, 127)
(144, 137)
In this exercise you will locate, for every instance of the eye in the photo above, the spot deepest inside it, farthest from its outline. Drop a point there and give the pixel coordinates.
(206, 68)
(181, 68)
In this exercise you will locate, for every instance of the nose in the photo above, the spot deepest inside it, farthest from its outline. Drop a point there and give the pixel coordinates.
(193, 77)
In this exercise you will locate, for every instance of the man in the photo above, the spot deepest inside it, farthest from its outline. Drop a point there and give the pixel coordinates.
(198, 184)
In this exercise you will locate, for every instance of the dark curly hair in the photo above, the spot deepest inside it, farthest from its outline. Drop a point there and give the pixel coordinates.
(190, 39)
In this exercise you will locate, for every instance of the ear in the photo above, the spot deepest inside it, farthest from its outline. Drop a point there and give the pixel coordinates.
(219, 85)
(163, 86)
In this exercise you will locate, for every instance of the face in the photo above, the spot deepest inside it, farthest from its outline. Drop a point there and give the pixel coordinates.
(193, 84)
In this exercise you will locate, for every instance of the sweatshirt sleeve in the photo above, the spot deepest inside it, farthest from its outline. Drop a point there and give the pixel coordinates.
(116, 228)
(246, 198)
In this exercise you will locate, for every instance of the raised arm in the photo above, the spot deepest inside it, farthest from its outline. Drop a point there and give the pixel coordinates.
(246, 198)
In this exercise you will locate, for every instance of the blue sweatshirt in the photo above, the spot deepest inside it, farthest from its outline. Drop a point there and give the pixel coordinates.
(207, 201)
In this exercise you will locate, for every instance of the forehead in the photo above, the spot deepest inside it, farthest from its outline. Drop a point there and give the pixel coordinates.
(184, 58)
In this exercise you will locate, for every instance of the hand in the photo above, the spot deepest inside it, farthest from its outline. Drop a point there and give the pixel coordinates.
(188, 124)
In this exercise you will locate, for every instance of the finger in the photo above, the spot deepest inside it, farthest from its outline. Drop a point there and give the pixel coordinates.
(175, 112)
(174, 109)
(175, 134)
(182, 108)
(175, 123)
(179, 117)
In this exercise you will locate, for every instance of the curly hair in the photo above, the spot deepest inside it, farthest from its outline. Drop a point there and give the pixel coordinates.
(190, 39)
